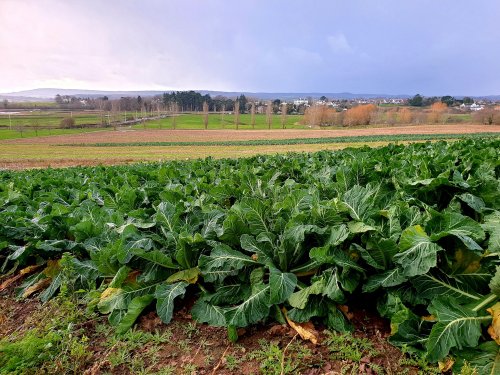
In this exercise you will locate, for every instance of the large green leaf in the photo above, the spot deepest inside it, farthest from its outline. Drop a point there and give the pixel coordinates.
(206, 312)
(135, 308)
(418, 254)
(456, 326)
(435, 284)
(379, 252)
(165, 295)
(455, 224)
(255, 308)
(223, 262)
(485, 359)
(282, 285)
(383, 280)
(299, 299)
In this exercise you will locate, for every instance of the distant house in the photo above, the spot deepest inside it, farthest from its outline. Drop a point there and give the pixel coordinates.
(476, 107)
(300, 101)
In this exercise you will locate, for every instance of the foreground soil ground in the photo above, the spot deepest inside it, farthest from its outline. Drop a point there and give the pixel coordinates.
(185, 347)
(59, 151)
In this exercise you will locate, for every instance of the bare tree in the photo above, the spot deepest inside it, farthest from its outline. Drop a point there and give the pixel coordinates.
(205, 114)
(175, 108)
(223, 109)
(237, 113)
(252, 115)
(283, 115)
(269, 114)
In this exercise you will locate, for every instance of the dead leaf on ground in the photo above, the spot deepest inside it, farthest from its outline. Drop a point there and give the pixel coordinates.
(24, 272)
(345, 311)
(41, 284)
(305, 330)
(446, 365)
(494, 328)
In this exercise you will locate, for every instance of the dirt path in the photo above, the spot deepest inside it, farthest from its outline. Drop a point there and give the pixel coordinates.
(131, 135)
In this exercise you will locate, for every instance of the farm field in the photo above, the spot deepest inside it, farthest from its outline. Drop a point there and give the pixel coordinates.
(118, 147)
(311, 263)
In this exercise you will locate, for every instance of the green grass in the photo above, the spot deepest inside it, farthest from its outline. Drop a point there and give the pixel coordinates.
(15, 134)
(216, 121)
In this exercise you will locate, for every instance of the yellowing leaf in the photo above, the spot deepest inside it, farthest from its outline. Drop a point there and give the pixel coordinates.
(305, 330)
(109, 292)
(428, 318)
(41, 284)
(52, 268)
(445, 365)
(494, 328)
(29, 269)
(190, 276)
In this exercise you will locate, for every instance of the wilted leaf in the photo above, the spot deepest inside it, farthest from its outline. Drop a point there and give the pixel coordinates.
(305, 330)
(494, 328)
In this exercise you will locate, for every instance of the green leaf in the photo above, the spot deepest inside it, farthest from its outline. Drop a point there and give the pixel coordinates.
(337, 321)
(282, 285)
(223, 262)
(157, 257)
(379, 252)
(485, 359)
(332, 288)
(206, 312)
(435, 284)
(492, 227)
(455, 224)
(418, 253)
(356, 227)
(263, 250)
(359, 202)
(495, 282)
(299, 299)
(251, 310)
(165, 295)
(334, 255)
(389, 278)
(135, 308)
(316, 307)
(457, 326)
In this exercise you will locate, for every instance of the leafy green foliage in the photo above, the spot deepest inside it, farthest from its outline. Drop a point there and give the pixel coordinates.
(417, 226)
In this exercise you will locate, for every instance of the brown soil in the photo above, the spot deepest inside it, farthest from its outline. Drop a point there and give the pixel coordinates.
(180, 135)
(208, 347)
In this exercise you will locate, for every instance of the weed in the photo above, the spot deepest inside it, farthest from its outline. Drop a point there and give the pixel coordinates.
(347, 347)
(232, 362)
(190, 329)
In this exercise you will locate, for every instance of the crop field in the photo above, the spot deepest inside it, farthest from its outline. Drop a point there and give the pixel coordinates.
(133, 145)
(305, 263)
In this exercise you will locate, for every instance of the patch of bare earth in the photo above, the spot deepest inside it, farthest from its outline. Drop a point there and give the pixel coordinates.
(206, 350)
(182, 135)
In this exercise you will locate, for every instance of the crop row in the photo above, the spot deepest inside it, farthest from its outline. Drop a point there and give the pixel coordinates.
(415, 229)
(294, 141)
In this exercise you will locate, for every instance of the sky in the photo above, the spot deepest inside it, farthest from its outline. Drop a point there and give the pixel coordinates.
(431, 47)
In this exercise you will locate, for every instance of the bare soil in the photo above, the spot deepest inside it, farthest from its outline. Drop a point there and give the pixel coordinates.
(208, 350)
(180, 135)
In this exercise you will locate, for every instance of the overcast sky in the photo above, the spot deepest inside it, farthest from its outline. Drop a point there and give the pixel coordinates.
(433, 47)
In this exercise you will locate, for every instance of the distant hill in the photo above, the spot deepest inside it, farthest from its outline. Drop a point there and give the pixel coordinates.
(50, 93)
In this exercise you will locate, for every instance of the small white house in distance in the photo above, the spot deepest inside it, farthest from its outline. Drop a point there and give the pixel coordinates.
(300, 101)
(476, 107)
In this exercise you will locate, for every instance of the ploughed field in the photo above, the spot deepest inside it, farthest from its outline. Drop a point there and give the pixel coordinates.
(308, 252)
